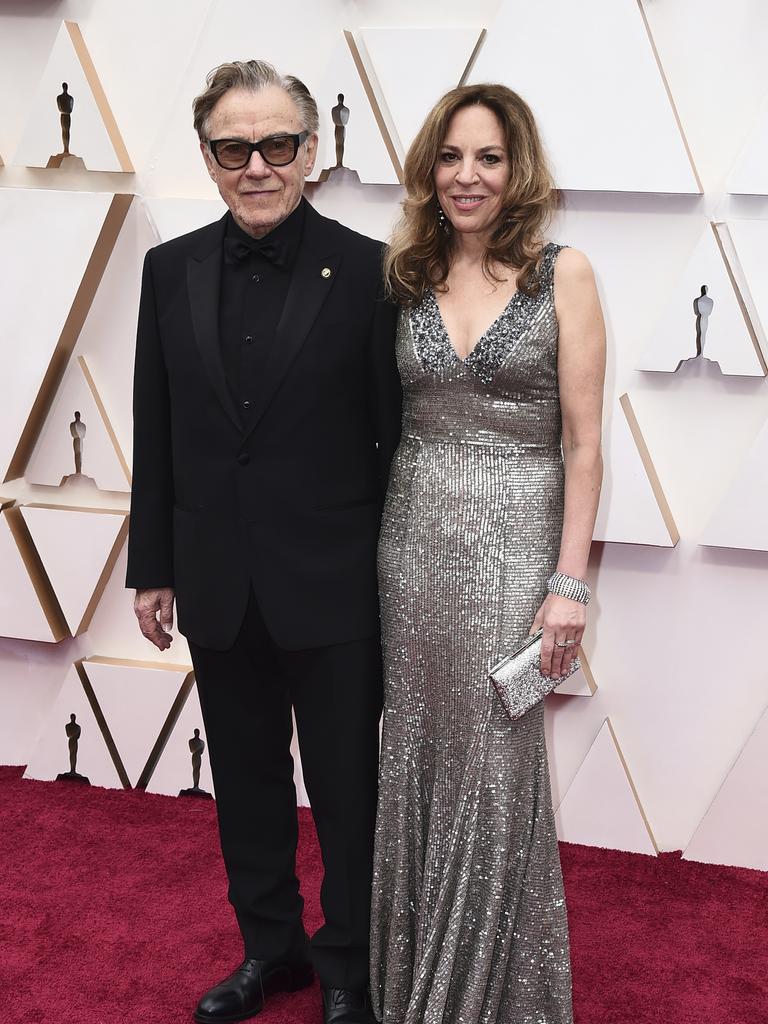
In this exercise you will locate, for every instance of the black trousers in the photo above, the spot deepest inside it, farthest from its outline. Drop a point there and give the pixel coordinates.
(246, 695)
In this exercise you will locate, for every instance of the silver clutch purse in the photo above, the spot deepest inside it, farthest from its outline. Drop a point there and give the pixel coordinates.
(518, 679)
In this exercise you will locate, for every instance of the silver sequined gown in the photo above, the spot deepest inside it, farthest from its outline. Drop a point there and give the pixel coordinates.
(469, 920)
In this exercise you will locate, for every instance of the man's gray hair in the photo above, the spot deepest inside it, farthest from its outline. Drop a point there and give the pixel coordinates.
(251, 75)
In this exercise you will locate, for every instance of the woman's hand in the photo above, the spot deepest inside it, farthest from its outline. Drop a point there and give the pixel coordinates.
(563, 622)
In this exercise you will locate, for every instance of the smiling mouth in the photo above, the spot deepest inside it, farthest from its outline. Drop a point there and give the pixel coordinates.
(467, 201)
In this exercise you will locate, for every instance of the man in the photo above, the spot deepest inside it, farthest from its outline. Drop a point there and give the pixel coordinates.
(266, 411)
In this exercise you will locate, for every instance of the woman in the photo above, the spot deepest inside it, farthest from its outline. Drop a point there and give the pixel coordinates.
(494, 486)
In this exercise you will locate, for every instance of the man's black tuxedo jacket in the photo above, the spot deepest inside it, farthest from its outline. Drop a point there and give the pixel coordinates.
(288, 498)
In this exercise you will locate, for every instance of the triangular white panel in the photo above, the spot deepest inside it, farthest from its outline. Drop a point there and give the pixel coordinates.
(601, 807)
(135, 699)
(173, 771)
(95, 141)
(570, 728)
(76, 547)
(173, 217)
(51, 754)
(630, 511)
(21, 613)
(613, 128)
(107, 421)
(741, 520)
(412, 68)
(576, 685)
(726, 337)
(581, 683)
(53, 457)
(364, 148)
(34, 314)
(735, 828)
(750, 173)
(114, 631)
(107, 339)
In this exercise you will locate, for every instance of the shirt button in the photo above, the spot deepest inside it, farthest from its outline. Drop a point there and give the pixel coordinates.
(256, 278)
(248, 339)
(246, 404)
(244, 458)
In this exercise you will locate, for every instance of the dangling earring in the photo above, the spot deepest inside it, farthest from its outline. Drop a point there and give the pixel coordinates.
(442, 220)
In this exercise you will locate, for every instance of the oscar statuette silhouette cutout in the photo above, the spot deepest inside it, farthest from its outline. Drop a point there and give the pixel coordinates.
(73, 731)
(65, 103)
(196, 749)
(78, 430)
(340, 118)
(703, 307)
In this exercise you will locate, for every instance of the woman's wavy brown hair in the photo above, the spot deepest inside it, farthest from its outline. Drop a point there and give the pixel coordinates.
(419, 253)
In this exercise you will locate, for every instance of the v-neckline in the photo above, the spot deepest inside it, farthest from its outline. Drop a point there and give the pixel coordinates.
(467, 358)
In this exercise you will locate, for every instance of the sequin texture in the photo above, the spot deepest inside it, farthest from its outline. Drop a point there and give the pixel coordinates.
(469, 921)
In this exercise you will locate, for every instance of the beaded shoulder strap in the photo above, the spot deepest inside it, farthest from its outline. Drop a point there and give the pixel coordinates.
(547, 263)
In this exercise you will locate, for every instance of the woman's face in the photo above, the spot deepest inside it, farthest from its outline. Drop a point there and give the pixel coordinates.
(472, 170)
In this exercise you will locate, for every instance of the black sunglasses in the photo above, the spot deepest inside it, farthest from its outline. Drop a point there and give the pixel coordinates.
(277, 151)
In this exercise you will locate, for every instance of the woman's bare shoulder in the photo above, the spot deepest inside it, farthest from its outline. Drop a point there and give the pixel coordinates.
(572, 266)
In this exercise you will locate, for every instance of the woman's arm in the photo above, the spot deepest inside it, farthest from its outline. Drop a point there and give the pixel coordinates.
(581, 373)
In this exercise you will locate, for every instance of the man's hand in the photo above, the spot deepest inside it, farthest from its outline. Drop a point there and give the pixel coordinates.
(154, 610)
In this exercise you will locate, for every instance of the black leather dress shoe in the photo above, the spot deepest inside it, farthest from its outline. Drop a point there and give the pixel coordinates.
(342, 1006)
(243, 993)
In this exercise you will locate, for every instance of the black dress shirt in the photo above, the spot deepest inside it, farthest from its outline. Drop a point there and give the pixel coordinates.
(254, 285)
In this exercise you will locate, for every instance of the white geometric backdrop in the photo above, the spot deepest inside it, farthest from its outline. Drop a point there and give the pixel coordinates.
(658, 137)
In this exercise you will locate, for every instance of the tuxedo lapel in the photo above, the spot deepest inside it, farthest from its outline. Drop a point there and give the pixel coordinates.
(313, 276)
(203, 284)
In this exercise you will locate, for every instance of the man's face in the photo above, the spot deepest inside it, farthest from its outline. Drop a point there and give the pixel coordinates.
(258, 195)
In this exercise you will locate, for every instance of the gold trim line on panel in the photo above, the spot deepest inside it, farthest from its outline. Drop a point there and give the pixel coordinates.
(102, 723)
(35, 569)
(588, 674)
(76, 508)
(472, 57)
(670, 97)
(165, 732)
(164, 666)
(650, 469)
(729, 255)
(104, 577)
(632, 786)
(105, 419)
(109, 564)
(99, 96)
(374, 103)
(94, 271)
(561, 690)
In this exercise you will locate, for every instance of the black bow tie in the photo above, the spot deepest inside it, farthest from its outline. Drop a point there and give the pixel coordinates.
(238, 249)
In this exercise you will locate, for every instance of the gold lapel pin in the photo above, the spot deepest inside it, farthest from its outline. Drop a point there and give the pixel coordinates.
(325, 272)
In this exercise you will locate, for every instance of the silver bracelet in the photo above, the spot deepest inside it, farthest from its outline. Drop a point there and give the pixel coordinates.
(569, 586)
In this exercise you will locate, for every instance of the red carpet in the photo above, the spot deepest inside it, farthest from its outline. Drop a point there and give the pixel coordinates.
(114, 910)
